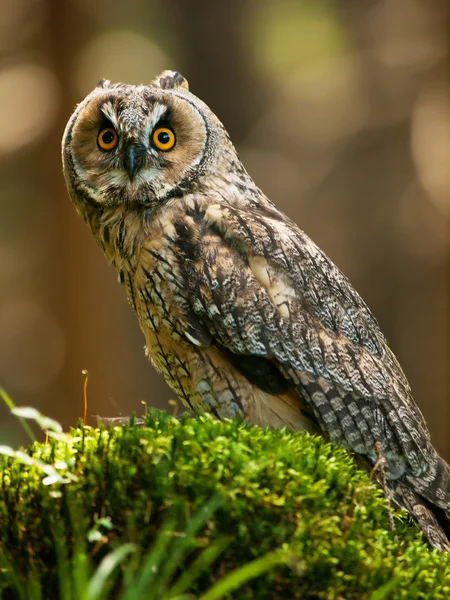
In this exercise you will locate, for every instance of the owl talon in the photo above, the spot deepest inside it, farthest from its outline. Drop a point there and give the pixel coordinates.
(379, 467)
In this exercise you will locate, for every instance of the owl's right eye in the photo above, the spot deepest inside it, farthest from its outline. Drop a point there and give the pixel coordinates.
(107, 139)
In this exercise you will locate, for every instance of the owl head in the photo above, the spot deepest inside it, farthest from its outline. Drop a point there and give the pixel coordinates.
(141, 144)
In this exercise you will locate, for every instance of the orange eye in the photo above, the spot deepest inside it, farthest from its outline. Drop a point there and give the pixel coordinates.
(107, 139)
(163, 138)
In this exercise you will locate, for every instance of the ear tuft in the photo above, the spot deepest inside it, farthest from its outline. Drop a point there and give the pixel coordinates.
(103, 83)
(169, 80)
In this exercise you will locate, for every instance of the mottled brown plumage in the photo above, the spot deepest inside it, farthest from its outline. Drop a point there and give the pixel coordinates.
(241, 311)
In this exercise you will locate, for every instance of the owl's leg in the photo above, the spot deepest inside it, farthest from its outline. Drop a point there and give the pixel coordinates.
(218, 388)
(378, 472)
(379, 465)
(225, 392)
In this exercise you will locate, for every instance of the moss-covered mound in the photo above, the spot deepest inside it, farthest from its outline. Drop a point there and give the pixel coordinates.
(260, 491)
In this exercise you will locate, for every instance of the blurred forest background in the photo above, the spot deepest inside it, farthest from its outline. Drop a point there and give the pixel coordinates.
(339, 109)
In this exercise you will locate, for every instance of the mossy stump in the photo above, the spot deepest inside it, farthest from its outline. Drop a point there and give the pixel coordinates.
(265, 491)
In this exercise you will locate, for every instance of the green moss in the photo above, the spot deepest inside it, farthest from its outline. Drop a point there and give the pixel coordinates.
(276, 489)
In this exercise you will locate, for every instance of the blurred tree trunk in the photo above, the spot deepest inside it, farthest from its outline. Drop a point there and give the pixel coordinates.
(212, 55)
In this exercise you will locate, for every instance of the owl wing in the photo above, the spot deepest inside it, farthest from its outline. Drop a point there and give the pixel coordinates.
(258, 288)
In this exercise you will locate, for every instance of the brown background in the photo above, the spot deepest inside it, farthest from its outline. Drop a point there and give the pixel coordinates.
(340, 111)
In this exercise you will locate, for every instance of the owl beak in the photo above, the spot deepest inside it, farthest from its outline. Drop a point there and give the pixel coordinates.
(133, 160)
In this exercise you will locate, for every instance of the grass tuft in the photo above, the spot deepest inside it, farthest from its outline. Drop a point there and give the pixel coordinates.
(202, 509)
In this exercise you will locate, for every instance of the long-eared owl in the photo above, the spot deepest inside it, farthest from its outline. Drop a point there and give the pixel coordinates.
(241, 311)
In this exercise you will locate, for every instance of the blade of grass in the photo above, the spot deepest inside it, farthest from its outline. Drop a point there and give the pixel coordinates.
(34, 588)
(81, 564)
(204, 560)
(150, 568)
(184, 544)
(63, 567)
(9, 574)
(385, 591)
(239, 576)
(28, 412)
(80, 574)
(10, 404)
(100, 579)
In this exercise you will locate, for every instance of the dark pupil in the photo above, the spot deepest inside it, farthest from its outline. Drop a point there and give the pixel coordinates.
(163, 137)
(108, 137)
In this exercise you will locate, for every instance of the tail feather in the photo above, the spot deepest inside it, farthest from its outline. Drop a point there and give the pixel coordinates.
(433, 520)
(434, 485)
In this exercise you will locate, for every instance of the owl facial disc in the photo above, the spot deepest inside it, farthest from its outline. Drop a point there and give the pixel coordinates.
(138, 144)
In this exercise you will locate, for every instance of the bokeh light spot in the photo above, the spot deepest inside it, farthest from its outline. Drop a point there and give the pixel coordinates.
(290, 35)
(431, 143)
(29, 96)
(119, 56)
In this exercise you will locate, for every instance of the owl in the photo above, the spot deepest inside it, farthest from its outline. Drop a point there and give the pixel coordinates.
(241, 311)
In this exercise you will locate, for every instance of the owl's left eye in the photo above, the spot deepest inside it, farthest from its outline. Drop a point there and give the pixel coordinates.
(163, 139)
(107, 139)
